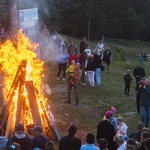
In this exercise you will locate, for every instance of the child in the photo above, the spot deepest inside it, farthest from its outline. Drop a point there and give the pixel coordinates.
(71, 71)
(122, 127)
(103, 143)
(127, 78)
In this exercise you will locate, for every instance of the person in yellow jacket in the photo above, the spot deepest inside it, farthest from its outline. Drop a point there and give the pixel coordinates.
(71, 71)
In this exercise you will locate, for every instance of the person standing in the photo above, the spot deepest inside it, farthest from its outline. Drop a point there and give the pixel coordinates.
(107, 57)
(62, 63)
(90, 68)
(138, 72)
(98, 63)
(100, 49)
(106, 130)
(65, 142)
(145, 103)
(3, 140)
(82, 60)
(83, 45)
(139, 88)
(77, 75)
(90, 139)
(127, 79)
(72, 46)
(21, 137)
(39, 140)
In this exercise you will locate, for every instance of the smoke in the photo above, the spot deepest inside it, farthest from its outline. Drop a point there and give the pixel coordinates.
(47, 50)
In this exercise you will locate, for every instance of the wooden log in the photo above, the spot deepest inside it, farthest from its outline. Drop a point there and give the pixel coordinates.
(10, 126)
(33, 103)
(20, 93)
(53, 131)
(6, 108)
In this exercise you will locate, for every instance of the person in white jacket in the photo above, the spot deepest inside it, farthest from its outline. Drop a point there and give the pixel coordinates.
(122, 127)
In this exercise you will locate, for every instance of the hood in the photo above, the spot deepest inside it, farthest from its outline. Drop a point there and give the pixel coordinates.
(3, 139)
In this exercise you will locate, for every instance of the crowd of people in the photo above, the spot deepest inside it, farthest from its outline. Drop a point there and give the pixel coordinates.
(21, 140)
(111, 134)
(78, 62)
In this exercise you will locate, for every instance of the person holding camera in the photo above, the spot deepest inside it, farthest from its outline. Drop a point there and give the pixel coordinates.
(139, 88)
(139, 72)
(145, 102)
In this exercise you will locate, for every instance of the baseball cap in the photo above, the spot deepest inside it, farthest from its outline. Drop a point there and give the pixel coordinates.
(38, 128)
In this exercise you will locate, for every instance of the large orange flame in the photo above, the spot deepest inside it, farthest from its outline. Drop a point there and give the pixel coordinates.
(12, 54)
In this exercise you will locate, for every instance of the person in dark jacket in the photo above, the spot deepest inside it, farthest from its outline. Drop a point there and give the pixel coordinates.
(21, 137)
(137, 135)
(90, 68)
(65, 142)
(139, 72)
(145, 103)
(127, 79)
(139, 88)
(98, 63)
(106, 130)
(39, 140)
(83, 45)
(107, 57)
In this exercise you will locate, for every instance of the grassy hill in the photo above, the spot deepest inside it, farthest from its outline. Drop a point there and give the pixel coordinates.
(95, 101)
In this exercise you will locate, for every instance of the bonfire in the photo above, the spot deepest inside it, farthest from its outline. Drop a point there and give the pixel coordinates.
(24, 98)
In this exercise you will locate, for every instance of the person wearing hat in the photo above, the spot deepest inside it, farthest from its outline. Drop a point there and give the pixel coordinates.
(3, 140)
(71, 70)
(21, 137)
(127, 79)
(106, 130)
(39, 140)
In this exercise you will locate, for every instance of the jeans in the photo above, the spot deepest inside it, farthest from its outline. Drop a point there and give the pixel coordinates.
(98, 76)
(145, 114)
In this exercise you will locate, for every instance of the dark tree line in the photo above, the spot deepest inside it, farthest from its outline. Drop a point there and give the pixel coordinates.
(129, 19)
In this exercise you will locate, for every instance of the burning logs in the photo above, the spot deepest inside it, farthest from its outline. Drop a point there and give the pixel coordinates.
(27, 104)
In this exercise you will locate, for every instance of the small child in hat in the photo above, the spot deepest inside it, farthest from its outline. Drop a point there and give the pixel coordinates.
(71, 70)
(127, 79)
